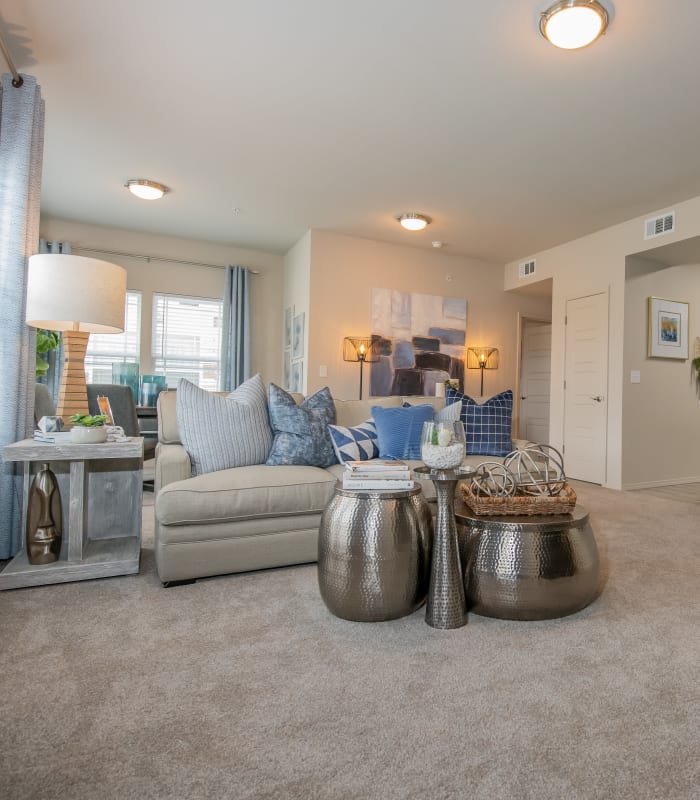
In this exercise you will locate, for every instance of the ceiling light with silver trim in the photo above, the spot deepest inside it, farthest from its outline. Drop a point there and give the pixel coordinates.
(145, 189)
(414, 222)
(572, 24)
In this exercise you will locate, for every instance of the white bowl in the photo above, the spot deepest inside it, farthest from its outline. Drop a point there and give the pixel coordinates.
(79, 434)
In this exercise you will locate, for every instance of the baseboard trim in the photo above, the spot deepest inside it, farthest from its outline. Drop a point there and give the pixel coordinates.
(655, 484)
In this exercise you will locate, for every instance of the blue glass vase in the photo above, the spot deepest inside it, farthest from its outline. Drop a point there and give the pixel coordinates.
(127, 375)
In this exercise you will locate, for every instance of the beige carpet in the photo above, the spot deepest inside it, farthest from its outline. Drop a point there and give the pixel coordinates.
(246, 687)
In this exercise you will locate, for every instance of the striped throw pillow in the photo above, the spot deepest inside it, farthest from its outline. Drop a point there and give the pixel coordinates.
(223, 432)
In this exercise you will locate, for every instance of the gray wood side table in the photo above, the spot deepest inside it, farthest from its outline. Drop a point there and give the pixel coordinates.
(101, 495)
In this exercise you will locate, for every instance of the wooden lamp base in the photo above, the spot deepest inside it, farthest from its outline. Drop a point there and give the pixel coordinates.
(72, 393)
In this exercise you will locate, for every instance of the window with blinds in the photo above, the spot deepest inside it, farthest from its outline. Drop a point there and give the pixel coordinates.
(187, 339)
(104, 349)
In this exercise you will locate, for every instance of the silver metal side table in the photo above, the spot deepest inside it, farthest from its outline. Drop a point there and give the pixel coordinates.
(101, 495)
(529, 567)
(374, 553)
(446, 607)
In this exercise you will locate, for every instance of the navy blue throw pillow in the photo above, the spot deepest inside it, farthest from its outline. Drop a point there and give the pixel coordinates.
(301, 431)
(487, 426)
(399, 430)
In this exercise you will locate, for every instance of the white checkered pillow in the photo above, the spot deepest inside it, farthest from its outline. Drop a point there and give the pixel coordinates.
(355, 444)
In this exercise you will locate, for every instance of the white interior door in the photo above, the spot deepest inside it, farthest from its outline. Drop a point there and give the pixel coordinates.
(585, 388)
(535, 380)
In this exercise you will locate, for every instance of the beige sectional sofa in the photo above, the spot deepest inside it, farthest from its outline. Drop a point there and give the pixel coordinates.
(244, 518)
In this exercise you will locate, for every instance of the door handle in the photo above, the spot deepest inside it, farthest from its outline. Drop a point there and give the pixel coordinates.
(598, 398)
(523, 397)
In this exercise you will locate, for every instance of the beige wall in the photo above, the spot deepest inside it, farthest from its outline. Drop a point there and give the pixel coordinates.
(345, 269)
(592, 264)
(661, 416)
(157, 276)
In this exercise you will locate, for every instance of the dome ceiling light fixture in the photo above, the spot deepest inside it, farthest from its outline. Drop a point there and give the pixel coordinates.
(414, 222)
(145, 189)
(571, 24)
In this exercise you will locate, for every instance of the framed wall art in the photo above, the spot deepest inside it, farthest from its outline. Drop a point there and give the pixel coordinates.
(297, 377)
(288, 315)
(668, 329)
(298, 336)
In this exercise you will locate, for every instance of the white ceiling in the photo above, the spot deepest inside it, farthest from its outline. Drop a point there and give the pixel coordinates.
(337, 115)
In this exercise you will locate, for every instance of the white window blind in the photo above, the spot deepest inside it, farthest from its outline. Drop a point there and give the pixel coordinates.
(104, 349)
(187, 339)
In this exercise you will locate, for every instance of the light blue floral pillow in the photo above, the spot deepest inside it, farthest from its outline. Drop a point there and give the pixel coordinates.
(301, 431)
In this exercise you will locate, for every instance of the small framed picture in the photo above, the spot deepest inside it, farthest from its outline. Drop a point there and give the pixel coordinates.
(288, 315)
(298, 336)
(287, 368)
(668, 328)
(297, 376)
(105, 408)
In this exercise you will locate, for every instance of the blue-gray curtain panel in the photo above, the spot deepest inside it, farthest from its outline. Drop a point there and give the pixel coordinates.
(235, 329)
(55, 357)
(21, 152)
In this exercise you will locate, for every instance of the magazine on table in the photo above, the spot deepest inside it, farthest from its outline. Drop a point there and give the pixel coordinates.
(376, 464)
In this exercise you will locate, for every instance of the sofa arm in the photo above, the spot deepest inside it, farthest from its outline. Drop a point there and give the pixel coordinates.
(172, 464)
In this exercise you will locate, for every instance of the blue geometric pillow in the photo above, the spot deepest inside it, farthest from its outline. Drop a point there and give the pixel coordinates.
(399, 430)
(301, 431)
(355, 444)
(487, 426)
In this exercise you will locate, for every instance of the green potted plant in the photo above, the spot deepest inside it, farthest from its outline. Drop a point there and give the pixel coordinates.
(46, 341)
(88, 429)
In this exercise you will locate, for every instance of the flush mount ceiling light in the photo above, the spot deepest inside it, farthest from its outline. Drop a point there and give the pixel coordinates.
(146, 190)
(414, 222)
(571, 24)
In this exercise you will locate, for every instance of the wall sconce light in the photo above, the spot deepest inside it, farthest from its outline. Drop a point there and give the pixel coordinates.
(359, 348)
(482, 358)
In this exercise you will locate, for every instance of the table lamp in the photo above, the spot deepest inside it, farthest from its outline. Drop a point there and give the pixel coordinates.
(359, 348)
(77, 296)
(482, 358)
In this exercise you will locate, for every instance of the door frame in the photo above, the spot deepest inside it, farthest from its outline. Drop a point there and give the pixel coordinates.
(523, 319)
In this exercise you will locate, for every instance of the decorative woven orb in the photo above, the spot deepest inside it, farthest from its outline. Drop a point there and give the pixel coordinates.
(492, 479)
(538, 470)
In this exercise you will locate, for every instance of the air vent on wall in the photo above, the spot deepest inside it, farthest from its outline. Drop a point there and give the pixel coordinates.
(658, 226)
(526, 268)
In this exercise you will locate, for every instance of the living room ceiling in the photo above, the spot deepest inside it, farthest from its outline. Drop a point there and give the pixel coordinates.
(269, 118)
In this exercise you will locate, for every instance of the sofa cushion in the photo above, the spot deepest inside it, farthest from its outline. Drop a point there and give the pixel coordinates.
(399, 430)
(353, 412)
(450, 413)
(223, 432)
(355, 444)
(301, 431)
(245, 493)
(488, 425)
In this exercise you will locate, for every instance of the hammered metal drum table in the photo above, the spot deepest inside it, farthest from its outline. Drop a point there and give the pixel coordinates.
(529, 567)
(374, 553)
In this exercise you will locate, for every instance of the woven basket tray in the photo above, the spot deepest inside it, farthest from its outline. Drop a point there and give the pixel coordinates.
(528, 505)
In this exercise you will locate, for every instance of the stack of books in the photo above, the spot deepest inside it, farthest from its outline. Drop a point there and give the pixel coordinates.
(52, 437)
(377, 475)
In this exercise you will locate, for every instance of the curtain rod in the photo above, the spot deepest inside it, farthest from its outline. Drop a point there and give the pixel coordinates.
(148, 259)
(17, 79)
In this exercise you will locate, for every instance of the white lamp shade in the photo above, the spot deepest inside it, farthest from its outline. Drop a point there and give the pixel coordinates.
(66, 292)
